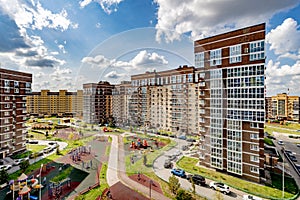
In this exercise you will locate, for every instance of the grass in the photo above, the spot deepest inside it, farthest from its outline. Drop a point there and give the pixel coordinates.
(189, 164)
(35, 147)
(63, 175)
(290, 129)
(268, 141)
(107, 150)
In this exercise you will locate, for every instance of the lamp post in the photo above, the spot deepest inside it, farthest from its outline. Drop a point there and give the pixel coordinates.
(151, 182)
(283, 173)
(41, 182)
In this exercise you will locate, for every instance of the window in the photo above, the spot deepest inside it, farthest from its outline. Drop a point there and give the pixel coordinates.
(199, 60)
(6, 83)
(215, 57)
(190, 78)
(16, 90)
(254, 147)
(6, 113)
(257, 50)
(6, 136)
(6, 98)
(6, 121)
(253, 136)
(254, 125)
(6, 105)
(254, 158)
(235, 54)
(16, 83)
(6, 90)
(254, 169)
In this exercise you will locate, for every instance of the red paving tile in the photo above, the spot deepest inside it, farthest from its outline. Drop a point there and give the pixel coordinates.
(121, 192)
(145, 180)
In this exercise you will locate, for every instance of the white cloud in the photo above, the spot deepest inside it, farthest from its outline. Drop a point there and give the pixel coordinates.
(142, 60)
(285, 38)
(205, 18)
(114, 75)
(281, 77)
(108, 6)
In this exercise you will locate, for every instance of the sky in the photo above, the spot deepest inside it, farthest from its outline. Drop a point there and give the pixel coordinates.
(65, 44)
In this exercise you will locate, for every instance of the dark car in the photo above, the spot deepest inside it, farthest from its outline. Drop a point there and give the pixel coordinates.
(178, 172)
(197, 179)
(293, 158)
(168, 164)
(191, 140)
(297, 167)
(271, 137)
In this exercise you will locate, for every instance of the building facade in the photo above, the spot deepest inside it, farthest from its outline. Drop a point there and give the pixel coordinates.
(97, 102)
(120, 103)
(62, 103)
(14, 88)
(165, 101)
(283, 107)
(230, 71)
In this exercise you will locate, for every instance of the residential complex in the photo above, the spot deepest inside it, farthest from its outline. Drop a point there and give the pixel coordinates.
(97, 106)
(283, 107)
(14, 87)
(165, 100)
(62, 103)
(231, 101)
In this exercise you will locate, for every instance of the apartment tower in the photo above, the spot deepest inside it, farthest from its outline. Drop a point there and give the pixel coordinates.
(14, 87)
(230, 68)
(97, 102)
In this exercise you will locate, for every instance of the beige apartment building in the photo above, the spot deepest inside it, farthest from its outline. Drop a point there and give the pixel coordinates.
(62, 103)
(165, 100)
(283, 107)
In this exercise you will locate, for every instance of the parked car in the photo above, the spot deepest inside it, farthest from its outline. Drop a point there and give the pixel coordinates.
(182, 137)
(184, 148)
(250, 197)
(33, 142)
(220, 187)
(52, 143)
(298, 145)
(293, 158)
(280, 142)
(47, 150)
(297, 167)
(178, 172)
(168, 164)
(18, 161)
(5, 167)
(197, 179)
(191, 140)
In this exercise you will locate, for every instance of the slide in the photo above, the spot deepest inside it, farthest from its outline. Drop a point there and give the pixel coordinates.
(35, 182)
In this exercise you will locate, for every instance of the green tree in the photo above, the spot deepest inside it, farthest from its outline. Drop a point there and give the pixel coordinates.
(24, 165)
(183, 195)
(174, 184)
(3, 176)
(193, 186)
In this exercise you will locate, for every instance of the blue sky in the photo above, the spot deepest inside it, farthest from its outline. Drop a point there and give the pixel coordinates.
(60, 41)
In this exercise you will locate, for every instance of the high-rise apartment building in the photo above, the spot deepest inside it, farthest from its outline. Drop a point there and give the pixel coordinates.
(14, 87)
(97, 102)
(283, 107)
(62, 103)
(230, 68)
(120, 103)
(165, 100)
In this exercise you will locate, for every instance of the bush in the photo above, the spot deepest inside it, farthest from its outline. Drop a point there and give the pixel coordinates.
(268, 141)
(183, 195)
(174, 184)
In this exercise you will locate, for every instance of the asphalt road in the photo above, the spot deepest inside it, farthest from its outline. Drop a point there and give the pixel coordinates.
(203, 191)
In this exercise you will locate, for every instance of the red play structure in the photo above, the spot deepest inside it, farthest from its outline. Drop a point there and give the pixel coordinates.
(138, 144)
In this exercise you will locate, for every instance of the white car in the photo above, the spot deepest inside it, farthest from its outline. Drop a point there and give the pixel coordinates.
(5, 167)
(280, 142)
(220, 187)
(250, 197)
(18, 161)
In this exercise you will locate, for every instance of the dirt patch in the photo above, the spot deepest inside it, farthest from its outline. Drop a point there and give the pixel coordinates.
(145, 180)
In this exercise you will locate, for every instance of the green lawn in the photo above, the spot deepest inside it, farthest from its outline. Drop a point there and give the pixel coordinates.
(189, 164)
(290, 129)
(35, 147)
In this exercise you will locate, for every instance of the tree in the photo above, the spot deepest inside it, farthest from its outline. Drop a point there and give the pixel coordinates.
(24, 165)
(183, 195)
(193, 186)
(3, 176)
(174, 184)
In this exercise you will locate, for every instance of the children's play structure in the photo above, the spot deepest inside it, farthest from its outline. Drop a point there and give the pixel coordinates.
(55, 189)
(139, 144)
(23, 186)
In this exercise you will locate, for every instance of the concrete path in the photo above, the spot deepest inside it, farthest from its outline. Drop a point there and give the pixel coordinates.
(117, 170)
(112, 170)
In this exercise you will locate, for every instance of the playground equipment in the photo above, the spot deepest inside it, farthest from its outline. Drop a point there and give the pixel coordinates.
(55, 189)
(139, 144)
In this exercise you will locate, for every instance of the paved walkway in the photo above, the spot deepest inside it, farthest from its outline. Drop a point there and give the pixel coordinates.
(120, 171)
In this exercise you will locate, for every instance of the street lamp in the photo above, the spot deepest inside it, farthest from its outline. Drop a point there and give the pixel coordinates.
(41, 181)
(283, 173)
(151, 182)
